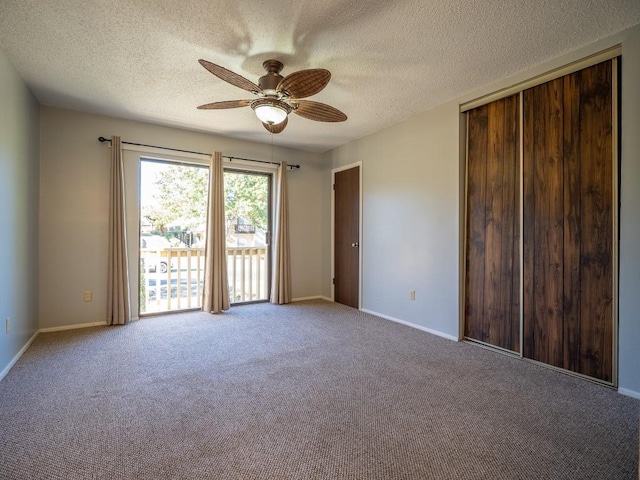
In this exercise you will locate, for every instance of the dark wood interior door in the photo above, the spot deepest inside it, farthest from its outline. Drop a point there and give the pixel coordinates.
(492, 290)
(568, 222)
(347, 237)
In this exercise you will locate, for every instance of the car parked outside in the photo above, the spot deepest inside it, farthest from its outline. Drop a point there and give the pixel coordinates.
(154, 245)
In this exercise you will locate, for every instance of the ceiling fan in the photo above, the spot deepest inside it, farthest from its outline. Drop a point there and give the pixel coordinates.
(278, 96)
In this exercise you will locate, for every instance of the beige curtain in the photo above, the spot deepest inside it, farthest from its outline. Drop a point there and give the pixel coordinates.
(118, 304)
(281, 280)
(216, 283)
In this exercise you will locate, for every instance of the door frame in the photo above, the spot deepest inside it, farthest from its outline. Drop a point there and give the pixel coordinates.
(271, 201)
(166, 160)
(251, 167)
(333, 199)
(132, 156)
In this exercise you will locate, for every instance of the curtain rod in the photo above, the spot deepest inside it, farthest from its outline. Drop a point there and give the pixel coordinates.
(102, 140)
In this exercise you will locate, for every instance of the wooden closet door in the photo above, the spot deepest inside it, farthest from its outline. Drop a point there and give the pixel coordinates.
(568, 222)
(492, 291)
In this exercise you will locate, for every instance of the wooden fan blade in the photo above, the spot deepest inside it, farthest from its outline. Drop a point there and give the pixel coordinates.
(223, 105)
(319, 112)
(230, 77)
(278, 127)
(304, 83)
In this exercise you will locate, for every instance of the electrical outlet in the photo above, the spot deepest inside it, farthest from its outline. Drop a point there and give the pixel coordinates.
(412, 294)
(88, 295)
(7, 321)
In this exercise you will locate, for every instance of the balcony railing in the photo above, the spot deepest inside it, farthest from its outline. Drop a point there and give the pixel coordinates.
(173, 278)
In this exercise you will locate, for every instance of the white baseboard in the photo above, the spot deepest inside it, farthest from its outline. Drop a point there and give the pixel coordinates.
(13, 361)
(72, 327)
(412, 325)
(629, 393)
(316, 297)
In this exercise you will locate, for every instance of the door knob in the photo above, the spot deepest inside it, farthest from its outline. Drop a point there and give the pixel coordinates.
(355, 244)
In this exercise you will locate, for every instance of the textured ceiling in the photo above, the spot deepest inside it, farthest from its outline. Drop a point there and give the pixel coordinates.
(138, 59)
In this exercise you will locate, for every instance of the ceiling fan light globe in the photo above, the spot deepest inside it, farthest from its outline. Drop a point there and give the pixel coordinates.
(270, 114)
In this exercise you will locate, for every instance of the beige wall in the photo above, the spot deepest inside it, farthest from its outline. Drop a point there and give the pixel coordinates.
(19, 158)
(412, 210)
(74, 207)
(410, 218)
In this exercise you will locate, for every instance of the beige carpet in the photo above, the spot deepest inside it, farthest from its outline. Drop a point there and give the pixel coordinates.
(312, 390)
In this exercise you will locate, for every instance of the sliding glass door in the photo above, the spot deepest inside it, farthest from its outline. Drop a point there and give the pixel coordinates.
(173, 216)
(248, 228)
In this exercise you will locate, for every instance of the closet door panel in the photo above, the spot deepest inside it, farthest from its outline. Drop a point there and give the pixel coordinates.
(545, 211)
(528, 219)
(511, 225)
(572, 224)
(476, 183)
(596, 216)
(568, 222)
(495, 310)
(492, 284)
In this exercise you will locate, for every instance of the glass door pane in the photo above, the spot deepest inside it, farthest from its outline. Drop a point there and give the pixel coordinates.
(248, 217)
(173, 199)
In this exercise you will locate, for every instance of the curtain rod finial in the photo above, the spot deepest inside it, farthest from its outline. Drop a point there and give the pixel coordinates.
(102, 139)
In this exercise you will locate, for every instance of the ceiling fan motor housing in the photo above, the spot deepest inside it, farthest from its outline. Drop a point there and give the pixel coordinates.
(272, 79)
